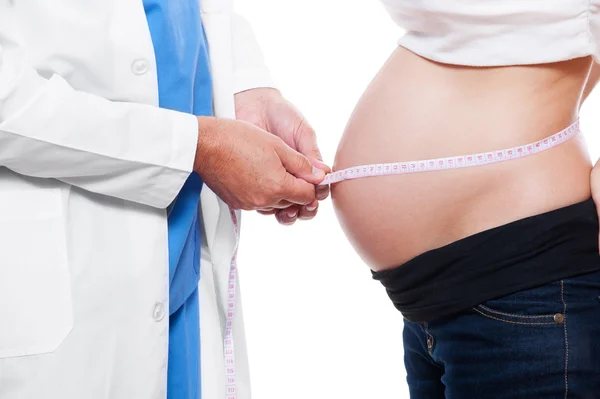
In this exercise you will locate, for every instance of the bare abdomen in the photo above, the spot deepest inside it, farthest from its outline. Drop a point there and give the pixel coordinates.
(417, 109)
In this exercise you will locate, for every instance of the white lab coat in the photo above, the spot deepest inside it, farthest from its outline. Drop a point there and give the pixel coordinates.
(88, 164)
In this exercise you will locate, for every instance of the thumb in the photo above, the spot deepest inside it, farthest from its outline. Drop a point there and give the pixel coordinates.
(306, 143)
(298, 165)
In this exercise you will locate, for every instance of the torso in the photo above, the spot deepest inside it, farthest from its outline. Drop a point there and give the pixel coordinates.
(418, 109)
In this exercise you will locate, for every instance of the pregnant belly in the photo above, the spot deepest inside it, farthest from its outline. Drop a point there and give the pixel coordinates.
(417, 109)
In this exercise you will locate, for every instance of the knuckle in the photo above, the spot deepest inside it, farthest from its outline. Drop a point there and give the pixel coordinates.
(261, 202)
(306, 134)
(314, 150)
(270, 191)
(275, 141)
(302, 163)
(303, 129)
(245, 207)
(258, 201)
(279, 187)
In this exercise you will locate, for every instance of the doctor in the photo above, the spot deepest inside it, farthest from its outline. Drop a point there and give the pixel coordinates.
(110, 156)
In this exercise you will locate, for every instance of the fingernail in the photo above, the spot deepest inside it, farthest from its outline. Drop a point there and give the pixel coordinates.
(324, 165)
(291, 214)
(318, 173)
(311, 208)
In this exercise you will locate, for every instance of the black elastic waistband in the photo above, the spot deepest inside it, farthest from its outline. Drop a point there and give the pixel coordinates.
(517, 256)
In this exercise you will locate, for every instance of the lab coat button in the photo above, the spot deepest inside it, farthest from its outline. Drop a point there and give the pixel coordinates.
(140, 66)
(158, 313)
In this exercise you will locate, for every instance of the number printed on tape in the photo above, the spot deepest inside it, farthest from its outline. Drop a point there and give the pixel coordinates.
(460, 161)
(228, 343)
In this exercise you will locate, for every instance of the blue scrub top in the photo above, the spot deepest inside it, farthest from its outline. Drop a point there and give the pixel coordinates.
(184, 84)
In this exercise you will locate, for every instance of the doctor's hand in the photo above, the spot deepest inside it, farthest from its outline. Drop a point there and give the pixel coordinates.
(251, 169)
(267, 109)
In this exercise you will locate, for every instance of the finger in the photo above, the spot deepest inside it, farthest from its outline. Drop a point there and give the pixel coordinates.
(288, 216)
(273, 210)
(267, 212)
(322, 192)
(298, 165)
(309, 211)
(306, 143)
(297, 191)
(283, 204)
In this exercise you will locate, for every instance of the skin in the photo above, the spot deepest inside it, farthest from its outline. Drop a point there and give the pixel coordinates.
(418, 109)
(595, 176)
(267, 109)
(591, 82)
(251, 169)
(267, 160)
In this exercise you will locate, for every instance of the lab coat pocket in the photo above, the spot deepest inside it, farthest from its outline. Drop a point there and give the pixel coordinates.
(36, 313)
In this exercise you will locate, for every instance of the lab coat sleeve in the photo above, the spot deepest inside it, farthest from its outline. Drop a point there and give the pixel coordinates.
(249, 69)
(131, 151)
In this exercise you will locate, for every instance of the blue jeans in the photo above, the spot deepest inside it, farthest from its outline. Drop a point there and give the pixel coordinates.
(542, 343)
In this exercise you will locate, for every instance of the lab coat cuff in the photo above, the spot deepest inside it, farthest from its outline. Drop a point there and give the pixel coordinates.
(184, 145)
(247, 79)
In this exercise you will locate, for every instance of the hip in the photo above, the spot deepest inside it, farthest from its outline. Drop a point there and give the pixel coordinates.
(539, 342)
(528, 253)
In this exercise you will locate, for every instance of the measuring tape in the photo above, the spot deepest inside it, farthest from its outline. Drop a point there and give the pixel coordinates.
(461, 161)
(228, 346)
(395, 168)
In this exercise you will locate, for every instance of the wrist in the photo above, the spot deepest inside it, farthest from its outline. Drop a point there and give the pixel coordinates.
(254, 96)
(207, 142)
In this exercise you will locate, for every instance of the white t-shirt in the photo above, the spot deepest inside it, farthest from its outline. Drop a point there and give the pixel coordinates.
(498, 32)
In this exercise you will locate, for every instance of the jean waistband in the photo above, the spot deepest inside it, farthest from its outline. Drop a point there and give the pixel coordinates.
(520, 255)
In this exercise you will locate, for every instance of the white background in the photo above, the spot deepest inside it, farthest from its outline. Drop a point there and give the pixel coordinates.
(317, 325)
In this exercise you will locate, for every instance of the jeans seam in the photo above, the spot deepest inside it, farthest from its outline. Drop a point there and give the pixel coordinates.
(428, 339)
(510, 321)
(516, 315)
(562, 297)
